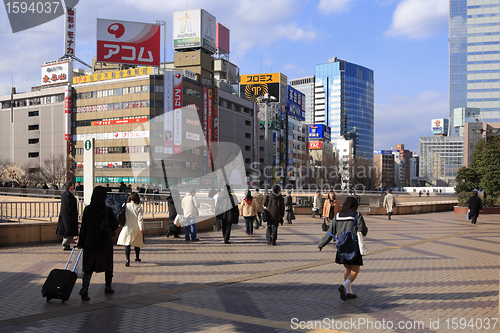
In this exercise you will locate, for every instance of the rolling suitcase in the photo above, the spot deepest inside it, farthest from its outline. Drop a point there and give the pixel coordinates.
(60, 282)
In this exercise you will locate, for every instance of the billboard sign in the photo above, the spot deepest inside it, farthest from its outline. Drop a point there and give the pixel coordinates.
(69, 32)
(177, 135)
(382, 152)
(315, 145)
(57, 72)
(319, 131)
(439, 126)
(222, 38)
(194, 29)
(131, 43)
(257, 85)
(295, 100)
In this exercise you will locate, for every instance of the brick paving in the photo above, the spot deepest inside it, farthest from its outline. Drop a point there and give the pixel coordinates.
(430, 273)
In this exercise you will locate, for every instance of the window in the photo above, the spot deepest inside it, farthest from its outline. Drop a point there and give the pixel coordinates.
(248, 148)
(33, 155)
(33, 127)
(248, 123)
(33, 114)
(33, 141)
(248, 135)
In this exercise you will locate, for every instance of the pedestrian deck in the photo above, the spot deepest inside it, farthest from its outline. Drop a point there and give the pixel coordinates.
(433, 272)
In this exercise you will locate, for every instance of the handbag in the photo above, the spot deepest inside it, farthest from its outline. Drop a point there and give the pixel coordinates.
(266, 215)
(468, 215)
(121, 215)
(324, 226)
(394, 204)
(255, 223)
(179, 220)
(217, 225)
(363, 250)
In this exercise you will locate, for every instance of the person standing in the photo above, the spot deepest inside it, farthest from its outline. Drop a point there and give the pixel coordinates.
(276, 208)
(259, 201)
(289, 214)
(389, 203)
(67, 225)
(343, 221)
(227, 211)
(133, 231)
(216, 196)
(98, 226)
(330, 208)
(248, 209)
(317, 204)
(174, 209)
(190, 206)
(475, 205)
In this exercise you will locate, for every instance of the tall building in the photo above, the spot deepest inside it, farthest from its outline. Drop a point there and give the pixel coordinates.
(440, 159)
(306, 86)
(383, 160)
(475, 58)
(344, 101)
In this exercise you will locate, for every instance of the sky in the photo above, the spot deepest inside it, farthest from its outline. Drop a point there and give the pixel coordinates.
(405, 43)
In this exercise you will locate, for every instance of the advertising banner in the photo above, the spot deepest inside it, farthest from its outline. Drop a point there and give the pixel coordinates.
(222, 40)
(205, 129)
(168, 112)
(69, 32)
(295, 101)
(124, 42)
(209, 136)
(57, 72)
(439, 126)
(256, 125)
(257, 85)
(194, 28)
(177, 81)
(67, 113)
(112, 75)
(315, 145)
(319, 131)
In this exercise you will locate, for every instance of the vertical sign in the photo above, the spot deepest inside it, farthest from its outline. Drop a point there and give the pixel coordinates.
(168, 112)
(67, 113)
(205, 128)
(209, 136)
(255, 134)
(69, 32)
(177, 113)
(216, 125)
(88, 169)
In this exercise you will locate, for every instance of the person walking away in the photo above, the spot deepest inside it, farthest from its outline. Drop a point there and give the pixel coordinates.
(174, 209)
(330, 208)
(216, 196)
(276, 208)
(98, 226)
(475, 206)
(389, 203)
(289, 214)
(248, 209)
(343, 221)
(190, 206)
(67, 225)
(259, 201)
(227, 211)
(317, 204)
(133, 231)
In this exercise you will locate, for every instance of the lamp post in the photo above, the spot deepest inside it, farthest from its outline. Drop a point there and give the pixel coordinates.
(266, 99)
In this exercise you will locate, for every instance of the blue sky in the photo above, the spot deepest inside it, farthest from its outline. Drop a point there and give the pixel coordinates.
(405, 43)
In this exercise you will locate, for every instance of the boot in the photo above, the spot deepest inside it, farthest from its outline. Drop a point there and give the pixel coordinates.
(108, 277)
(84, 292)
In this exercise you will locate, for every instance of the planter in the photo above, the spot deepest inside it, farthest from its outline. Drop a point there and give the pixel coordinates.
(486, 210)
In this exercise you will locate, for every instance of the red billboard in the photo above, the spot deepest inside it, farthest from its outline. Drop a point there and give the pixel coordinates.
(126, 42)
(222, 38)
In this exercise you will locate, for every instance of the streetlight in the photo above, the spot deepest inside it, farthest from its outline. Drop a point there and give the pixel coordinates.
(266, 99)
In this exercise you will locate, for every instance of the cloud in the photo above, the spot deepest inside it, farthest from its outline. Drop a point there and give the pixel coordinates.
(331, 6)
(404, 119)
(419, 19)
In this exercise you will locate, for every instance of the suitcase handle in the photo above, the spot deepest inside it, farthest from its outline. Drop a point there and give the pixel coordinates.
(77, 259)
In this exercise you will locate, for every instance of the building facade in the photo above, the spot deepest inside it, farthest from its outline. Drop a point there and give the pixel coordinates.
(440, 158)
(344, 101)
(306, 86)
(475, 58)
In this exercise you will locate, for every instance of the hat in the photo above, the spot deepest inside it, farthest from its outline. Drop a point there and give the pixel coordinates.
(192, 190)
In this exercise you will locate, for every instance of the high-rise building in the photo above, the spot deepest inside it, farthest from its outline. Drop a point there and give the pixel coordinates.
(475, 58)
(344, 101)
(306, 86)
(440, 159)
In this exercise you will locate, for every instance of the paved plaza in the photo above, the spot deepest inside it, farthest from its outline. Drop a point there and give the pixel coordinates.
(425, 273)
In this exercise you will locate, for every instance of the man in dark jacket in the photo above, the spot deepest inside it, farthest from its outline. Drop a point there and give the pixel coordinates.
(227, 211)
(276, 208)
(475, 205)
(67, 225)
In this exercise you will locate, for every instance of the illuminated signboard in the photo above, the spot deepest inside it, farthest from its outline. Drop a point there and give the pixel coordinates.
(319, 131)
(257, 85)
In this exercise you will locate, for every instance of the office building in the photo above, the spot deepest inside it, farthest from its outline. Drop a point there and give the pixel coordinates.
(475, 132)
(474, 58)
(383, 162)
(306, 86)
(440, 159)
(344, 101)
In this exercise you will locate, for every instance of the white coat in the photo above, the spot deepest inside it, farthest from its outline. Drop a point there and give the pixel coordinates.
(131, 232)
(388, 202)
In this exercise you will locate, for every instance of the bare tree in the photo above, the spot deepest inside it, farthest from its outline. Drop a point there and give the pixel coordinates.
(55, 169)
(31, 177)
(363, 175)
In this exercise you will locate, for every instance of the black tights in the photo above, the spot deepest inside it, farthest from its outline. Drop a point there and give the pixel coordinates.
(108, 277)
(127, 252)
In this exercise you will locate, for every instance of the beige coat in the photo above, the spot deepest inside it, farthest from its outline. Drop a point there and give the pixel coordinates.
(190, 206)
(247, 210)
(388, 202)
(259, 201)
(131, 232)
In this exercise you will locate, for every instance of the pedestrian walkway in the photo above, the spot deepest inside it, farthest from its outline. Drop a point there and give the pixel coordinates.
(425, 273)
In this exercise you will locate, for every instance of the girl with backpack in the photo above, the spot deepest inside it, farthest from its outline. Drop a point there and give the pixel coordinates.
(347, 220)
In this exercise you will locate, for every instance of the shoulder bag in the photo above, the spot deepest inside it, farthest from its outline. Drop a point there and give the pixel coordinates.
(121, 215)
(347, 246)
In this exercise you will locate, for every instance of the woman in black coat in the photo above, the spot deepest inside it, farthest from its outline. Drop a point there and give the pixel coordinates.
(475, 206)
(276, 208)
(98, 226)
(174, 208)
